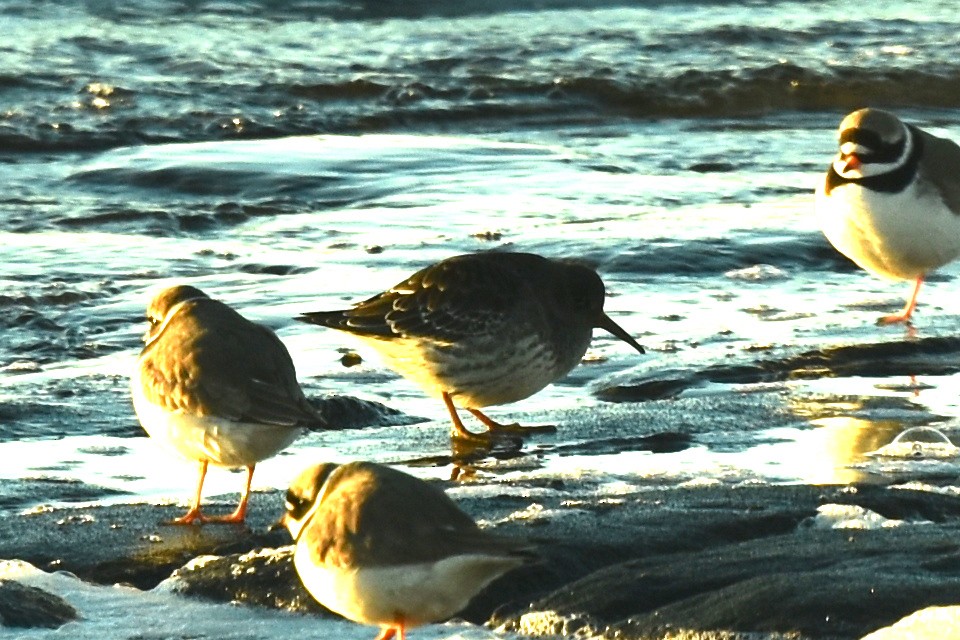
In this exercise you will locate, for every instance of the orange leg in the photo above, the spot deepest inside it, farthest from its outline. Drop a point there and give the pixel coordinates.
(459, 430)
(904, 316)
(240, 514)
(493, 427)
(389, 632)
(193, 515)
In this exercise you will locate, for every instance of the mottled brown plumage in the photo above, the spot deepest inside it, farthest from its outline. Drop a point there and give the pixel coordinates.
(216, 388)
(204, 358)
(372, 515)
(381, 547)
(483, 329)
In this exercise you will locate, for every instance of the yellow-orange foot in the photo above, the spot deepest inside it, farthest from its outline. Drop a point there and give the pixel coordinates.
(896, 318)
(520, 429)
(195, 517)
(904, 316)
(514, 428)
(387, 633)
(233, 518)
(190, 517)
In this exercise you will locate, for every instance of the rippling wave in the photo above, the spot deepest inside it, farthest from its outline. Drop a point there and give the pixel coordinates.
(360, 106)
(103, 74)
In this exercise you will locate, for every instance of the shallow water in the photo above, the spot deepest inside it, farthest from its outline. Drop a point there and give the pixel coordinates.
(289, 157)
(451, 136)
(108, 612)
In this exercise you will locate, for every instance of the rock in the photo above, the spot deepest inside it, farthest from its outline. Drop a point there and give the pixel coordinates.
(131, 543)
(23, 606)
(348, 412)
(264, 577)
(933, 623)
(839, 583)
(910, 357)
(713, 560)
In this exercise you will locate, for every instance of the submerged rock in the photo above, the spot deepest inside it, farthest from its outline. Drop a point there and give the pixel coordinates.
(23, 606)
(910, 357)
(348, 412)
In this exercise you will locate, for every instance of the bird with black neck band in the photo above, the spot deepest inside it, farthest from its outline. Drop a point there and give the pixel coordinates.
(890, 200)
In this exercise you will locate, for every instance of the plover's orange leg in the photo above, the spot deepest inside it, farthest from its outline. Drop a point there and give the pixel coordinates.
(514, 428)
(238, 516)
(904, 316)
(389, 632)
(193, 516)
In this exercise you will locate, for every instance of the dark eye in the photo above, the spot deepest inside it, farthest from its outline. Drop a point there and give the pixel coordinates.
(296, 505)
(583, 299)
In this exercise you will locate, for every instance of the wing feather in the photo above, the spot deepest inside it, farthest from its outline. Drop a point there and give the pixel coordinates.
(451, 300)
(941, 157)
(387, 517)
(209, 360)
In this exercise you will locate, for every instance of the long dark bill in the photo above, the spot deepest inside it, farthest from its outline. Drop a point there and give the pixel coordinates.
(607, 324)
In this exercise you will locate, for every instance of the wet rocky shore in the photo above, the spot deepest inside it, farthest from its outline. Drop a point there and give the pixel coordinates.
(706, 558)
(707, 561)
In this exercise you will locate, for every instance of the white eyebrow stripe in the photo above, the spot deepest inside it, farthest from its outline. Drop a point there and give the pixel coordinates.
(851, 147)
(166, 320)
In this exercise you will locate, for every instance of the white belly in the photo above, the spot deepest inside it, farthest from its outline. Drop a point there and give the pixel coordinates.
(220, 441)
(415, 594)
(476, 375)
(900, 236)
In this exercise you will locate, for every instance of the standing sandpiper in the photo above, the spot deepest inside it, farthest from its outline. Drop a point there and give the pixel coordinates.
(483, 329)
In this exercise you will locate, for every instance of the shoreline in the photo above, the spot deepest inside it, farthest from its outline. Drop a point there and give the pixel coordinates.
(714, 558)
(631, 547)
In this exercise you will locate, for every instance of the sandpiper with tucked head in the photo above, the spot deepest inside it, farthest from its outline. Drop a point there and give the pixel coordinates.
(483, 329)
(891, 199)
(217, 388)
(383, 548)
